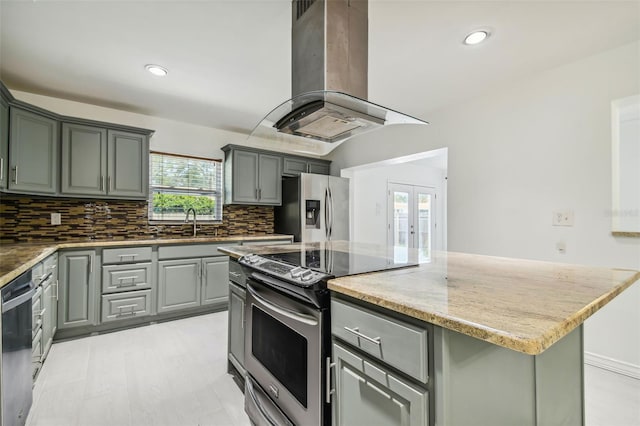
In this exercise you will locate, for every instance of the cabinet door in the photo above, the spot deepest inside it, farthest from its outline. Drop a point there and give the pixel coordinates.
(48, 315)
(78, 298)
(4, 143)
(237, 297)
(128, 165)
(178, 284)
(270, 179)
(245, 177)
(293, 166)
(84, 160)
(318, 168)
(33, 153)
(369, 395)
(215, 280)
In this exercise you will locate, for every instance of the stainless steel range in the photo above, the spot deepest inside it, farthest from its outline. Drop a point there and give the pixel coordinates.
(287, 336)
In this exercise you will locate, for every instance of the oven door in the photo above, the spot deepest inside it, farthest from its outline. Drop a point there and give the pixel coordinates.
(283, 342)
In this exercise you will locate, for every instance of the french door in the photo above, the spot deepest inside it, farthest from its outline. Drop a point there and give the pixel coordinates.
(411, 219)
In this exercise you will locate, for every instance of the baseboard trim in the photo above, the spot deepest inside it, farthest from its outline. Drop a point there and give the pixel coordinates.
(611, 364)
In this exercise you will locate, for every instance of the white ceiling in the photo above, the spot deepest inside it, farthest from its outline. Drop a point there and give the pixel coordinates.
(229, 61)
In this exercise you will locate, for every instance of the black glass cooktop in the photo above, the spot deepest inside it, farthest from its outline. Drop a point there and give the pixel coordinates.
(338, 263)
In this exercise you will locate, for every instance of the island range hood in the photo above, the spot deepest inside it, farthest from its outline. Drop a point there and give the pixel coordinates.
(329, 77)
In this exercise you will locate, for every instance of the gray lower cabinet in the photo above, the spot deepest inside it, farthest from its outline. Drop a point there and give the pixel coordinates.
(368, 394)
(189, 283)
(237, 298)
(214, 280)
(33, 153)
(50, 313)
(4, 142)
(77, 299)
(131, 304)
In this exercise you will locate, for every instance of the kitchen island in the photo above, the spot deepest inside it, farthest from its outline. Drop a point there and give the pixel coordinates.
(496, 341)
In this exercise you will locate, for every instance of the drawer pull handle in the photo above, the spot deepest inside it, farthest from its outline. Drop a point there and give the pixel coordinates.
(127, 278)
(234, 274)
(356, 331)
(128, 255)
(329, 365)
(131, 312)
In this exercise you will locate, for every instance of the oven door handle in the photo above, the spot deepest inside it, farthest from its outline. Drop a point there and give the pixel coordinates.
(296, 316)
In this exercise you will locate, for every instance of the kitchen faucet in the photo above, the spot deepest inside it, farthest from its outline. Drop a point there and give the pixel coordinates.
(186, 219)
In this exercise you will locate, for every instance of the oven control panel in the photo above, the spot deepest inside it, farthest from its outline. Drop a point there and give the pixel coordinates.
(296, 274)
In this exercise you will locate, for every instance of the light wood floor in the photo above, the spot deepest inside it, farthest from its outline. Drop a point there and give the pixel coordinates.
(174, 373)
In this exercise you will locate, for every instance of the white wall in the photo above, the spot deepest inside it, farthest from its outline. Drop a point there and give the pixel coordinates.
(369, 210)
(170, 136)
(519, 153)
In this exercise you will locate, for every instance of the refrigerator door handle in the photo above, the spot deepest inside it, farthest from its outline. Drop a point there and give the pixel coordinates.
(326, 213)
(330, 213)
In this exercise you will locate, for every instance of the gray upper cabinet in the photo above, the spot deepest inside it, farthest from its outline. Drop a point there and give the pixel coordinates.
(252, 177)
(293, 166)
(33, 153)
(270, 179)
(4, 143)
(128, 165)
(104, 163)
(77, 289)
(84, 160)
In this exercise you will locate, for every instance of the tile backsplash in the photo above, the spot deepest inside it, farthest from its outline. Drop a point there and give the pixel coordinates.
(26, 219)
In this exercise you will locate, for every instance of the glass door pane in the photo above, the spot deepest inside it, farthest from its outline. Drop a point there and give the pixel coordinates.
(401, 232)
(425, 214)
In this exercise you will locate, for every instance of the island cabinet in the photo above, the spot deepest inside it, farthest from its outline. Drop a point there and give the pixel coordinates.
(127, 283)
(189, 281)
(33, 152)
(252, 177)
(78, 294)
(395, 370)
(97, 161)
(4, 142)
(381, 368)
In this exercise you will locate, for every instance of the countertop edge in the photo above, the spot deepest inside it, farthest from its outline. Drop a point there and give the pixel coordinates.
(47, 249)
(526, 345)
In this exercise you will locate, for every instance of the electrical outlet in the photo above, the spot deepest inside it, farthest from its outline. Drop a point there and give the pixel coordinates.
(562, 218)
(56, 218)
(561, 247)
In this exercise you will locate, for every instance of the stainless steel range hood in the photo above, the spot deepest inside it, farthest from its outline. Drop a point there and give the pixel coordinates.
(329, 78)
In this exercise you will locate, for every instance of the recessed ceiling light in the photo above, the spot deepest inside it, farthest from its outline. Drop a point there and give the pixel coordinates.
(476, 37)
(156, 70)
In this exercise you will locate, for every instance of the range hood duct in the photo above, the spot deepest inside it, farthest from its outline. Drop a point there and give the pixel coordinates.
(329, 60)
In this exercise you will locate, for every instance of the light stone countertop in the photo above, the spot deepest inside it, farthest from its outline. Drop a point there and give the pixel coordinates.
(18, 258)
(523, 305)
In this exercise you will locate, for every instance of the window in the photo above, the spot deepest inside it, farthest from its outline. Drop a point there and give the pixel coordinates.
(179, 183)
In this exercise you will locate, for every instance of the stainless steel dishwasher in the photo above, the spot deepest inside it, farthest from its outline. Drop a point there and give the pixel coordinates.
(16, 350)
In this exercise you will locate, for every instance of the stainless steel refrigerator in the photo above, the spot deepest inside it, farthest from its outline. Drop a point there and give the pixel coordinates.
(314, 208)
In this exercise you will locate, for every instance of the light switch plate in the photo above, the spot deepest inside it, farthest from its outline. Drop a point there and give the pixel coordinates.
(56, 219)
(562, 218)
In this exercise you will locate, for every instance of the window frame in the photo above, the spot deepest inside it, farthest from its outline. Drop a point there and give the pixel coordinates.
(218, 193)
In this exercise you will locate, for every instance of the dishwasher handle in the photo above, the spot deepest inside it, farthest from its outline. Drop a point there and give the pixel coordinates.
(19, 300)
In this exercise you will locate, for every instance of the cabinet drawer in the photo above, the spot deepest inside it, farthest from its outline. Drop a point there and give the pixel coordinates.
(236, 274)
(50, 264)
(126, 255)
(120, 306)
(399, 344)
(126, 277)
(188, 251)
